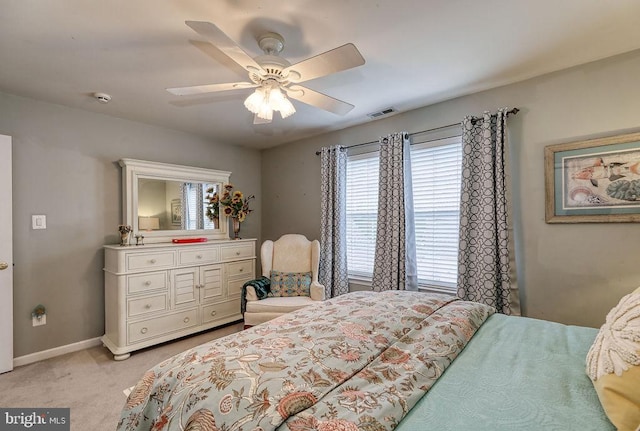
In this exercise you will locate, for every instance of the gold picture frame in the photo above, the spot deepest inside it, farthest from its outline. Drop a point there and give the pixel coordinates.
(593, 181)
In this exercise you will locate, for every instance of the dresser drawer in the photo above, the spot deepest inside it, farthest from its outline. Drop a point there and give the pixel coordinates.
(221, 310)
(197, 256)
(242, 269)
(237, 251)
(140, 283)
(235, 286)
(150, 260)
(151, 328)
(146, 304)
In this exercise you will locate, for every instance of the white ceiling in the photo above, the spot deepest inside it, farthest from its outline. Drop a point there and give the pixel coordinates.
(417, 52)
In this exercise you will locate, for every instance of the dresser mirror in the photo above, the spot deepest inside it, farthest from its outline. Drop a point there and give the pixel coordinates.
(163, 201)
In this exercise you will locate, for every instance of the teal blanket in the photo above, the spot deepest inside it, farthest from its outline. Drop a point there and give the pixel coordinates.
(262, 287)
(516, 373)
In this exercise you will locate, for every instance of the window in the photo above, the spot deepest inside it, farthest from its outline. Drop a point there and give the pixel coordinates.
(436, 172)
(362, 210)
(196, 194)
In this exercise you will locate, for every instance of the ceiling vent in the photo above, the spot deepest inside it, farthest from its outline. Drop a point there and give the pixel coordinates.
(383, 113)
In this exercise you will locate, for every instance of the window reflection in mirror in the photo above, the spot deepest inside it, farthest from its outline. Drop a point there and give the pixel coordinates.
(194, 213)
(173, 205)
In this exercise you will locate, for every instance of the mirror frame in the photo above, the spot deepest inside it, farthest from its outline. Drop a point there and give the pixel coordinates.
(132, 170)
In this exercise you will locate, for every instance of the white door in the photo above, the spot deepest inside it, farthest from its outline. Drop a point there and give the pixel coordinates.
(6, 257)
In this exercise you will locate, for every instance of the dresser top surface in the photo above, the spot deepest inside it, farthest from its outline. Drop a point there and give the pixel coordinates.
(180, 245)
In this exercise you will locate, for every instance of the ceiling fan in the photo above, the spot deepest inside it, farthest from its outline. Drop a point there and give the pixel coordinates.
(273, 77)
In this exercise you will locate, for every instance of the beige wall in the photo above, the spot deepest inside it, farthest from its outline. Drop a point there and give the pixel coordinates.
(65, 166)
(571, 273)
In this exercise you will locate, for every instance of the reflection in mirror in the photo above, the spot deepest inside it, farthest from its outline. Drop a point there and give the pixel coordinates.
(173, 205)
(164, 201)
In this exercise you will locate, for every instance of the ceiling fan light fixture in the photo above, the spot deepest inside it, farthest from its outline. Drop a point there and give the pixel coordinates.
(265, 112)
(279, 102)
(267, 99)
(255, 100)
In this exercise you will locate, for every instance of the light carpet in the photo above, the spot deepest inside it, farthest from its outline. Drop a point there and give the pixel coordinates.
(90, 382)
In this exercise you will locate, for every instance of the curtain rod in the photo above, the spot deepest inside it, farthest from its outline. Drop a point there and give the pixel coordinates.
(513, 111)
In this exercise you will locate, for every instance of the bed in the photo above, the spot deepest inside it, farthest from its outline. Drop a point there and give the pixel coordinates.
(375, 361)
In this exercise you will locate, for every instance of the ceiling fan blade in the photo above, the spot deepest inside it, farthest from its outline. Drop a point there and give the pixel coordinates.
(221, 41)
(209, 88)
(258, 120)
(338, 59)
(314, 98)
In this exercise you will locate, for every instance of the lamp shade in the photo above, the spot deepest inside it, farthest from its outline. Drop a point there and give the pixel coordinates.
(148, 223)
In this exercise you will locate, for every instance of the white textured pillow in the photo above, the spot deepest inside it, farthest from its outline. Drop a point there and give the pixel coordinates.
(613, 363)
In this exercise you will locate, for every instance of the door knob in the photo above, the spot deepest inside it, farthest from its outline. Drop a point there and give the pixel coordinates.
(3, 265)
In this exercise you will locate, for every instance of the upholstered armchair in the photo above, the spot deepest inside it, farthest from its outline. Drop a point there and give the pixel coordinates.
(291, 255)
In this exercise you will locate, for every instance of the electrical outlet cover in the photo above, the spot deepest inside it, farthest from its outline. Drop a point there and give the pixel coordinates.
(39, 322)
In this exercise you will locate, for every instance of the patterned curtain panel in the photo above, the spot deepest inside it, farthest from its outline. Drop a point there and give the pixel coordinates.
(333, 222)
(395, 265)
(199, 204)
(485, 250)
(184, 208)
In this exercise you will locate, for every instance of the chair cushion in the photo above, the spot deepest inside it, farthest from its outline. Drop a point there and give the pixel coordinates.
(279, 305)
(290, 283)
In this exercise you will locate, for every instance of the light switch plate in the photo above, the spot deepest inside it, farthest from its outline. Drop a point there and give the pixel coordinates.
(39, 221)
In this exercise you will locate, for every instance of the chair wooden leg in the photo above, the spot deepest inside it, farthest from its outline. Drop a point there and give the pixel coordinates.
(247, 326)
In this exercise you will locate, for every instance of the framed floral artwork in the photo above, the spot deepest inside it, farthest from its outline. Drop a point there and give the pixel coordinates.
(593, 181)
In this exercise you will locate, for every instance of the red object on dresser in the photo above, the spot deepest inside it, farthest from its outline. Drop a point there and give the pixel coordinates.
(187, 240)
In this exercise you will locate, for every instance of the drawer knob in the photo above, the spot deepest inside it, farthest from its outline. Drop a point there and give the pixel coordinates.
(199, 256)
(152, 261)
(241, 269)
(147, 306)
(213, 313)
(143, 330)
(186, 320)
(237, 253)
(147, 283)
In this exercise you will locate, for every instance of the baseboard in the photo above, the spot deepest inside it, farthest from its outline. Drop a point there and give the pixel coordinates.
(56, 351)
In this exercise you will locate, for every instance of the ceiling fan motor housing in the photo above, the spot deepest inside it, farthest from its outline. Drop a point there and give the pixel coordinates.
(272, 64)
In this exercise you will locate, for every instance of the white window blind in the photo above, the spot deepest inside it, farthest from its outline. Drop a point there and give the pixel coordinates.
(362, 212)
(191, 221)
(436, 175)
(436, 171)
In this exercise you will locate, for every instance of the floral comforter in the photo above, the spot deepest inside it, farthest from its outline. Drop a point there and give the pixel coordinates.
(356, 362)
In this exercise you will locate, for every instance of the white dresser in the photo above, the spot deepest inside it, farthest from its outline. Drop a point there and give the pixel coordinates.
(159, 292)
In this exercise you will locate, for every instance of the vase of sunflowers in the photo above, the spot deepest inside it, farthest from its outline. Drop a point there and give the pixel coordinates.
(234, 205)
